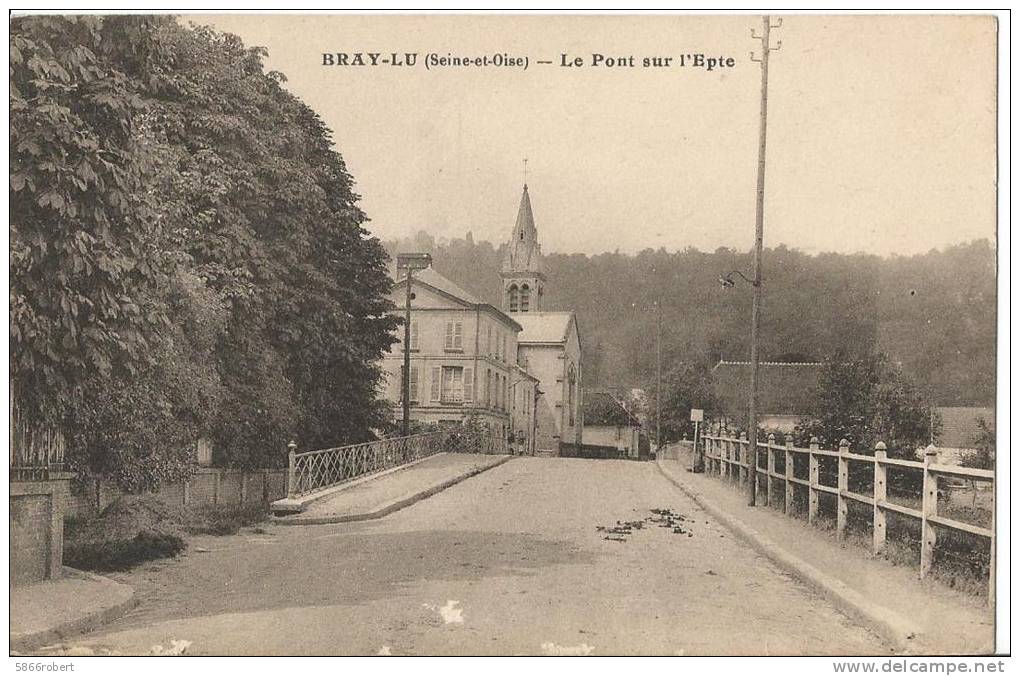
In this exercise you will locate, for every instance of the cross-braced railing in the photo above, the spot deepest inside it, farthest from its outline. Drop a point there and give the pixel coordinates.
(316, 470)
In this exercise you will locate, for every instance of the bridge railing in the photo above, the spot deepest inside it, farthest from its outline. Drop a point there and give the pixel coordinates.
(728, 457)
(316, 470)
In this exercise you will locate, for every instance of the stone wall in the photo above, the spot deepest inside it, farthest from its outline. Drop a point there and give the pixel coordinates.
(209, 486)
(36, 530)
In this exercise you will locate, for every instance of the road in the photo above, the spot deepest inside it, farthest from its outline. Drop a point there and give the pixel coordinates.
(508, 562)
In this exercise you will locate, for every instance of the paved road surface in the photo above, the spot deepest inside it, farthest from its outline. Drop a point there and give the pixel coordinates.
(508, 562)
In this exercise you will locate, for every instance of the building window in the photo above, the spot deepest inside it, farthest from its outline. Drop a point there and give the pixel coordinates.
(414, 336)
(452, 387)
(525, 297)
(488, 388)
(412, 379)
(454, 336)
(512, 298)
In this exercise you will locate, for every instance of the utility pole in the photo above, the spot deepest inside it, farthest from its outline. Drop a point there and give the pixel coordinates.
(658, 375)
(409, 263)
(759, 228)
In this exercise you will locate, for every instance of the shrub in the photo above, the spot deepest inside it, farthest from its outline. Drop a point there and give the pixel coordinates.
(118, 555)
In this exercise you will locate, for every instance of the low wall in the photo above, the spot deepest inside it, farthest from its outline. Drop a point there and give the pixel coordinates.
(209, 486)
(37, 530)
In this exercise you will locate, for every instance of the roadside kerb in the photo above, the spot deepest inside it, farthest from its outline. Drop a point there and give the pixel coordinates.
(298, 505)
(23, 642)
(299, 520)
(900, 631)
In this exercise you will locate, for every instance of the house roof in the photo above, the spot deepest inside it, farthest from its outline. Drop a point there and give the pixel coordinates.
(602, 408)
(960, 425)
(430, 277)
(784, 388)
(544, 327)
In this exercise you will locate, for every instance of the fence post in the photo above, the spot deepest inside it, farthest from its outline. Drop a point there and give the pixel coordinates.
(842, 485)
(929, 507)
(743, 457)
(878, 527)
(812, 512)
(788, 467)
(724, 458)
(291, 470)
(770, 467)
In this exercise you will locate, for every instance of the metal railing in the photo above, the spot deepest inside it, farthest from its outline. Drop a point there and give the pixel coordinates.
(727, 457)
(316, 470)
(37, 452)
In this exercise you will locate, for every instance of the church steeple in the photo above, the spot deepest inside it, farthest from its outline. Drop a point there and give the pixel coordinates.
(523, 279)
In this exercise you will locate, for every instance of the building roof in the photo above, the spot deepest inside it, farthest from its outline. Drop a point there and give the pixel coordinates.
(544, 327)
(431, 277)
(602, 408)
(524, 253)
(784, 388)
(960, 425)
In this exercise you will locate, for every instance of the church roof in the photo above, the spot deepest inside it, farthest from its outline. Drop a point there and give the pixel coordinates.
(524, 253)
(544, 327)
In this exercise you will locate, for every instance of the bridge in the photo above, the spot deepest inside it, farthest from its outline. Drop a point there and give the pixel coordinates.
(533, 555)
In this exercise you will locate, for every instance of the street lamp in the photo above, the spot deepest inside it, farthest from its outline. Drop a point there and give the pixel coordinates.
(409, 263)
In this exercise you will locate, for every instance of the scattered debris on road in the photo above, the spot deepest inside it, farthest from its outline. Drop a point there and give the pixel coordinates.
(663, 518)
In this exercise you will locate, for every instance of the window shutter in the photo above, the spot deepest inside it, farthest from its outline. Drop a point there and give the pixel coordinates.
(414, 335)
(437, 375)
(458, 335)
(488, 340)
(413, 383)
(449, 336)
(469, 385)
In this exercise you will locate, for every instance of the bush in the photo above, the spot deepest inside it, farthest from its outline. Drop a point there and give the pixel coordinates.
(118, 555)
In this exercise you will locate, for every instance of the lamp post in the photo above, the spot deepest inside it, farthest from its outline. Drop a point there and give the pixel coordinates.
(409, 263)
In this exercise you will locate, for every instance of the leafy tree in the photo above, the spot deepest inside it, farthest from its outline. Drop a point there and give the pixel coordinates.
(685, 386)
(187, 252)
(865, 399)
(84, 240)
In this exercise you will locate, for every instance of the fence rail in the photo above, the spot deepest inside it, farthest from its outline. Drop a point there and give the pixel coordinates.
(729, 457)
(315, 470)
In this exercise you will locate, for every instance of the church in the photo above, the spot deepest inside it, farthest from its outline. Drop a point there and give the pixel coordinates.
(549, 344)
(516, 368)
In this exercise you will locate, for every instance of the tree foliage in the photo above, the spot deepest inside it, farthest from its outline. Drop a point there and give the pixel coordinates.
(188, 257)
(865, 399)
(933, 313)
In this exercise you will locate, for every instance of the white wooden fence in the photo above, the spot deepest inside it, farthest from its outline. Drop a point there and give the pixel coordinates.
(728, 457)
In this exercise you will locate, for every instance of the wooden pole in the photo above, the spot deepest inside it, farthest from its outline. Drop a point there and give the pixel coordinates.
(759, 227)
(842, 485)
(812, 514)
(929, 508)
(405, 389)
(881, 474)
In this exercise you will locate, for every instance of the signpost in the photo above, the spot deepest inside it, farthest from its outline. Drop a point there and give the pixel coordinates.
(408, 263)
(697, 417)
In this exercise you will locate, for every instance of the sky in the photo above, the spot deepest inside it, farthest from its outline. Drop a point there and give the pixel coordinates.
(881, 129)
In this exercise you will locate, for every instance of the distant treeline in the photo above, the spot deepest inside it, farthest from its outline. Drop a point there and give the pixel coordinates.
(933, 313)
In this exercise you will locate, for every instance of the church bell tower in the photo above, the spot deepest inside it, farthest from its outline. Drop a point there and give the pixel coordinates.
(523, 279)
